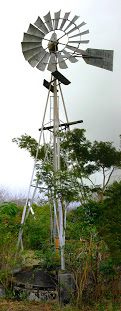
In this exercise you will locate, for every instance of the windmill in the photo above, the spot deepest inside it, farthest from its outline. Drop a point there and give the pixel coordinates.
(50, 43)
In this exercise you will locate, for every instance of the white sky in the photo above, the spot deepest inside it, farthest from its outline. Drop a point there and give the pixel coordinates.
(94, 94)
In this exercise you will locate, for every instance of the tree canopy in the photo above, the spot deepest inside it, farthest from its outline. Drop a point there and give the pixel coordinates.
(80, 159)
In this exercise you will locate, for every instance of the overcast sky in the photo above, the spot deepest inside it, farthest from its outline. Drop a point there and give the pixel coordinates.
(94, 94)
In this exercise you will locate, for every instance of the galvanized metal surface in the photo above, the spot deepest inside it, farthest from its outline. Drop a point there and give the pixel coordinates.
(36, 58)
(32, 30)
(70, 57)
(48, 21)
(31, 38)
(80, 34)
(36, 55)
(43, 63)
(99, 58)
(74, 49)
(64, 20)
(39, 23)
(79, 41)
(30, 53)
(39, 56)
(52, 63)
(76, 27)
(62, 63)
(72, 22)
(56, 19)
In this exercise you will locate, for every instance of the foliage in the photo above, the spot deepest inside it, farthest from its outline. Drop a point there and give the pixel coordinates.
(107, 218)
(8, 208)
(48, 256)
(105, 155)
(93, 243)
(80, 156)
(9, 227)
(76, 148)
(37, 228)
(30, 144)
(106, 159)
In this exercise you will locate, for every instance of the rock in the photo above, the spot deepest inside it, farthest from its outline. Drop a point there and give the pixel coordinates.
(66, 286)
(35, 283)
(2, 291)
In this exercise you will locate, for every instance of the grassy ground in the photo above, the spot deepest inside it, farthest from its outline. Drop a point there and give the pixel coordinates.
(10, 305)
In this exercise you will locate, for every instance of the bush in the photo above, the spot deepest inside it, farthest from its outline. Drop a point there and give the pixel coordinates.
(9, 229)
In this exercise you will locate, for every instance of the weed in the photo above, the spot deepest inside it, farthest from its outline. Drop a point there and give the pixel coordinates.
(23, 295)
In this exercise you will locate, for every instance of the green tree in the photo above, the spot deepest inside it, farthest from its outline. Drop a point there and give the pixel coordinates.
(106, 159)
(79, 155)
(88, 158)
(74, 155)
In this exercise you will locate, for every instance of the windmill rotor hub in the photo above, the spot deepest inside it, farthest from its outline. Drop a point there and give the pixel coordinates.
(53, 46)
(58, 39)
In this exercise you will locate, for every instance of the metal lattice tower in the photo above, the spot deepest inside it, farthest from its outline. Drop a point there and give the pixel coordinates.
(50, 43)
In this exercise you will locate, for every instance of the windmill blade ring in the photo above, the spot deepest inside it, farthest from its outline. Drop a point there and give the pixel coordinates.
(57, 51)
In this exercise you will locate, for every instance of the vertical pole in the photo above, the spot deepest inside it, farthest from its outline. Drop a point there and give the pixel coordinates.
(56, 128)
(56, 142)
(55, 157)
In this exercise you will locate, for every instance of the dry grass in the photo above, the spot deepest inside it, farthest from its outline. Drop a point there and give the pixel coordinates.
(10, 305)
(30, 258)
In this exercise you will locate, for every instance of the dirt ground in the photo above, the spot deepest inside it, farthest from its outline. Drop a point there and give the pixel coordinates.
(9, 305)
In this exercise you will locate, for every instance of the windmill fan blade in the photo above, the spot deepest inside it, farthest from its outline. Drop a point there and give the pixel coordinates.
(79, 41)
(52, 63)
(36, 58)
(80, 34)
(32, 30)
(62, 63)
(26, 46)
(29, 54)
(31, 38)
(64, 20)
(76, 28)
(71, 58)
(56, 19)
(72, 48)
(71, 22)
(43, 63)
(39, 23)
(48, 20)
